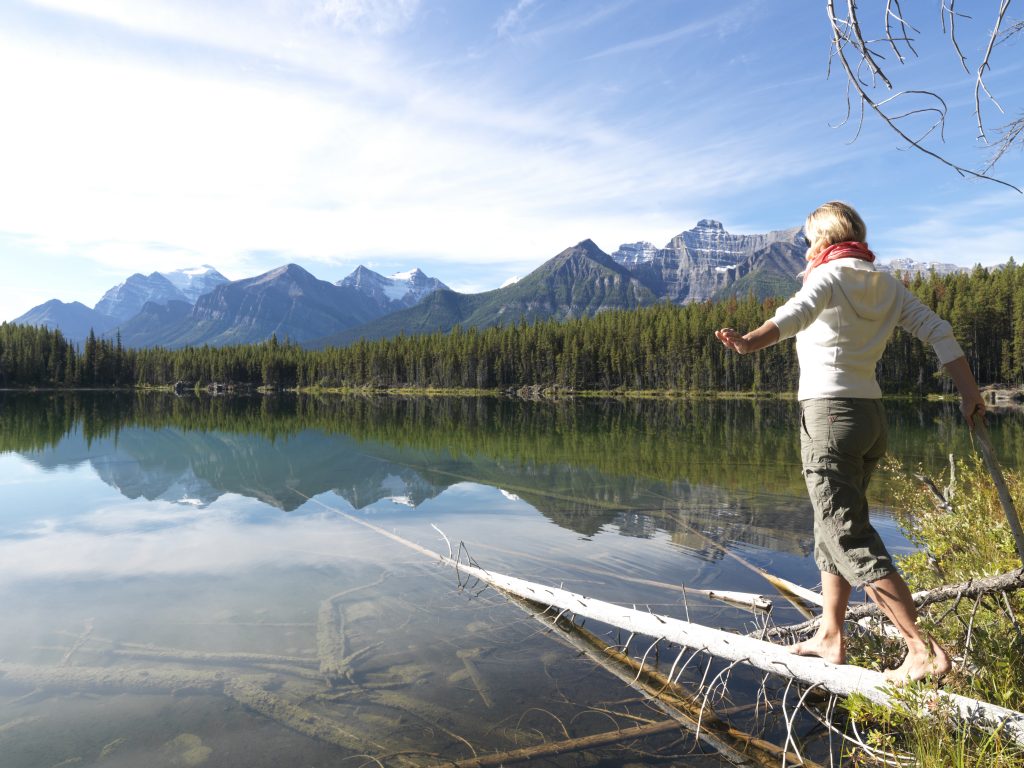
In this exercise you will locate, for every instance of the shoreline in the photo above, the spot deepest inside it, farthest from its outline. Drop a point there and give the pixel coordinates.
(997, 397)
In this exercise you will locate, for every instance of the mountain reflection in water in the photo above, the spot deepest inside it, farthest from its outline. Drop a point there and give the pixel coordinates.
(134, 524)
(583, 479)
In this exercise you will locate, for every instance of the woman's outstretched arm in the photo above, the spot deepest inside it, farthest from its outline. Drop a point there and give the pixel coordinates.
(761, 337)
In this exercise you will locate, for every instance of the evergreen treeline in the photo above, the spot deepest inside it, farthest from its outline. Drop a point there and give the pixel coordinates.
(659, 348)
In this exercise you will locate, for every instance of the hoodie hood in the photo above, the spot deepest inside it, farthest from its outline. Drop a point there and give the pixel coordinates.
(869, 293)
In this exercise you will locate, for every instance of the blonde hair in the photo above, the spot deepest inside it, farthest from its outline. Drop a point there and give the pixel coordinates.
(834, 222)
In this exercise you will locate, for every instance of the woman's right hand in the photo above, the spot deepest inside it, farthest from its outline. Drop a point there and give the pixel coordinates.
(733, 339)
(973, 409)
(972, 406)
(763, 336)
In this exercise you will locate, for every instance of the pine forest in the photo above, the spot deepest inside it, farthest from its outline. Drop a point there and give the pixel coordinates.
(663, 348)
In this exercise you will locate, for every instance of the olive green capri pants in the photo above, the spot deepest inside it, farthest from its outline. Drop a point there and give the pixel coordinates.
(841, 442)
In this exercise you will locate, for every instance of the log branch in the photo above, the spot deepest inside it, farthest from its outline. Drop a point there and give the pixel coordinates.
(578, 744)
(971, 589)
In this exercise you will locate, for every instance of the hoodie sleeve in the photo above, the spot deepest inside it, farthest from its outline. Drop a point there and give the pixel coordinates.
(805, 305)
(917, 319)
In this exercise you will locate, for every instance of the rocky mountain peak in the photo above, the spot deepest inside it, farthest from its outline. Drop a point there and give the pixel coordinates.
(631, 254)
(585, 249)
(359, 273)
(126, 299)
(288, 273)
(400, 290)
(701, 262)
(710, 224)
(193, 282)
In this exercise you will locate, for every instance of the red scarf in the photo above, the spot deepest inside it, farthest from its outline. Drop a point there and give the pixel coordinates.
(850, 249)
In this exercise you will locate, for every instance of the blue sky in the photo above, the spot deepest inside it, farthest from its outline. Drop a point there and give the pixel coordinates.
(472, 138)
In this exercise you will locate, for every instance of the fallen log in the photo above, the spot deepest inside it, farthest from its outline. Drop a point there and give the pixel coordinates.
(149, 652)
(203, 657)
(801, 598)
(748, 601)
(745, 600)
(331, 641)
(331, 638)
(482, 688)
(552, 748)
(111, 679)
(842, 680)
(693, 713)
(253, 696)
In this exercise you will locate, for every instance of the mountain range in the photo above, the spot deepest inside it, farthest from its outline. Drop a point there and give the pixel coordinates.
(200, 306)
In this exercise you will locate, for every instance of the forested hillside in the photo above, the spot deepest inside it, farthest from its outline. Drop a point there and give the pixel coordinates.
(665, 347)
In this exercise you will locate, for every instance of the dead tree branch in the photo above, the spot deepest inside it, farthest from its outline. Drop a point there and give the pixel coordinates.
(865, 76)
(972, 589)
(552, 748)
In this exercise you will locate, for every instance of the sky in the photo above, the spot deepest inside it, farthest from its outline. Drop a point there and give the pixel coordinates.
(474, 139)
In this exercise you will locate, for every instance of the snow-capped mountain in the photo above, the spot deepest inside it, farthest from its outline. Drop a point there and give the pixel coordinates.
(287, 301)
(580, 281)
(631, 254)
(703, 262)
(193, 282)
(912, 267)
(400, 290)
(126, 299)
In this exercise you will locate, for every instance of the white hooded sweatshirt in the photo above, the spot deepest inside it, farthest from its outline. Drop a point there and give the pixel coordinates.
(843, 317)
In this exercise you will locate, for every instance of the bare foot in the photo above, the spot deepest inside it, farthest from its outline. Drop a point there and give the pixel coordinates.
(933, 662)
(831, 648)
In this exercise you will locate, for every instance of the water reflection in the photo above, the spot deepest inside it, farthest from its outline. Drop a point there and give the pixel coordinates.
(171, 537)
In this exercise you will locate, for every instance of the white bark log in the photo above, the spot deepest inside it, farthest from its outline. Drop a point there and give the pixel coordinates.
(746, 600)
(842, 679)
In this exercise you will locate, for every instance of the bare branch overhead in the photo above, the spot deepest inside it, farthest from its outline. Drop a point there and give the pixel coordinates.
(919, 115)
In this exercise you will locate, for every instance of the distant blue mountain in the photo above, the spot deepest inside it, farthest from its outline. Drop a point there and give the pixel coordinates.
(74, 320)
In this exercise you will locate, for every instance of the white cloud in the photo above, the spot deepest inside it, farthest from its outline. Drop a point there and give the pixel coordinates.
(513, 16)
(571, 23)
(116, 162)
(199, 133)
(379, 17)
(986, 231)
(722, 22)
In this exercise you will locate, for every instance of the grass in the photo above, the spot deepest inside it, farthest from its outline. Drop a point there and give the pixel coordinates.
(967, 537)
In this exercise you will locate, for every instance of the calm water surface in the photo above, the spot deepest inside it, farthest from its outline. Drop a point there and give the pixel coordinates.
(181, 580)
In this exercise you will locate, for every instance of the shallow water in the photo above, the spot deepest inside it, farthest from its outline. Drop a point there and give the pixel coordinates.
(181, 577)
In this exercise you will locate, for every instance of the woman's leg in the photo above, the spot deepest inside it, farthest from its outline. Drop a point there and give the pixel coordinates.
(925, 657)
(828, 642)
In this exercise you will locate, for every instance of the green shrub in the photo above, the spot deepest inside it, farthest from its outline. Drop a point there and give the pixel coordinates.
(962, 533)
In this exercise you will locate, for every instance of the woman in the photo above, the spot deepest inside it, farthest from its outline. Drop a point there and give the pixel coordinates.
(842, 318)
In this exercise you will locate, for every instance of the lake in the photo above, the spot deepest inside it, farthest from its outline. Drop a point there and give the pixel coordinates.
(187, 581)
